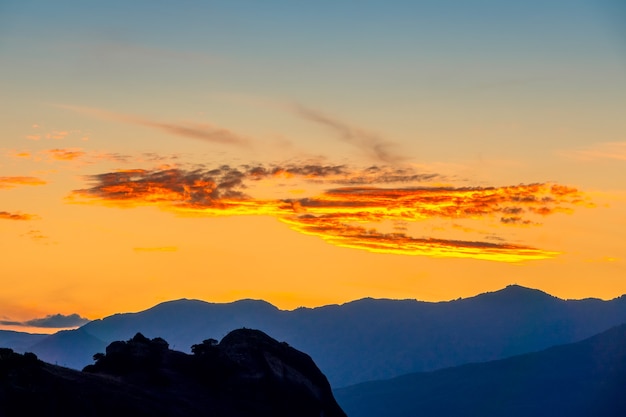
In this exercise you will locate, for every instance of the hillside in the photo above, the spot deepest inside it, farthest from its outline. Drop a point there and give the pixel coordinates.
(19, 341)
(247, 373)
(580, 379)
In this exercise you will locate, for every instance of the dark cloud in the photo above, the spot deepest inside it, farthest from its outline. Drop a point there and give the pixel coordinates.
(342, 174)
(515, 220)
(59, 321)
(175, 186)
(16, 216)
(203, 131)
(512, 210)
(53, 321)
(372, 144)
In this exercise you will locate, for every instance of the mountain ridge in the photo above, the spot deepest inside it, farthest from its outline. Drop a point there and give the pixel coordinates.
(372, 338)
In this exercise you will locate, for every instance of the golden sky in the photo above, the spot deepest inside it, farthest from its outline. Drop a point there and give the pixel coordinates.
(307, 154)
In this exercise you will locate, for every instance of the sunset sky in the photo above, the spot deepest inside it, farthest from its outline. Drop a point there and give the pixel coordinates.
(307, 153)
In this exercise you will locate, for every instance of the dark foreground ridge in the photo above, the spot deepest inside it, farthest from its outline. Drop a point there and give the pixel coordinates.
(247, 374)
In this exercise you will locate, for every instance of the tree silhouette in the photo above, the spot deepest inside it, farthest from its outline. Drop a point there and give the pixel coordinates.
(206, 347)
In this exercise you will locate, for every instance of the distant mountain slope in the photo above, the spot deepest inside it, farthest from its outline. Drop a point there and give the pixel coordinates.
(247, 374)
(586, 378)
(19, 341)
(76, 346)
(370, 339)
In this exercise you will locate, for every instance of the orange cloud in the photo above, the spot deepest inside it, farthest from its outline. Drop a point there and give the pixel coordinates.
(16, 216)
(344, 235)
(65, 154)
(36, 235)
(20, 154)
(339, 215)
(12, 182)
(55, 134)
(604, 259)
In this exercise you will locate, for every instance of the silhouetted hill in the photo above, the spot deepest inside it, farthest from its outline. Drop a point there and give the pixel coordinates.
(247, 374)
(19, 341)
(586, 378)
(371, 338)
(77, 344)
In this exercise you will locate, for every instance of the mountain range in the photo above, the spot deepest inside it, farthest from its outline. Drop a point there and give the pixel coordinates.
(363, 340)
(582, 379)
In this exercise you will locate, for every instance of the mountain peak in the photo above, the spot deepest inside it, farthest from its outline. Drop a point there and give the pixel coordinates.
(520, 292)
(248, 303)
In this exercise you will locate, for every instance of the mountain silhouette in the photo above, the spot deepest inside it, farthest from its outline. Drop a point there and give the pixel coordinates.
(19, 341)
(582, 379)
(248, 373)
(76, 344)
(366, 339)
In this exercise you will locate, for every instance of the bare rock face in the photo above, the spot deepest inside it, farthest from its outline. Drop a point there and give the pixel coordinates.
(247, 374)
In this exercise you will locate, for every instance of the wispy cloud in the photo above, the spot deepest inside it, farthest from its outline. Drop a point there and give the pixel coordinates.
(202, 131)
(12, 182)
(97, 156)
(17, 216)
(600, 151)
(21, 154)
(55, 134)
(53, 321)
(341, 174)
(372, 144)
(79, 155)
(341, 234)
(157, 249)
(341, 216)
(604, 259)
(37, 236)
(69, 154)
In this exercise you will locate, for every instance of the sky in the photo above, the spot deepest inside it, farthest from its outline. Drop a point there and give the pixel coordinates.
(307, 153)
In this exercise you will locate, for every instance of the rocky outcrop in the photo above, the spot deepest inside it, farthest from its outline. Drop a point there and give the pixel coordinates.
(288, 377)
(247, 374)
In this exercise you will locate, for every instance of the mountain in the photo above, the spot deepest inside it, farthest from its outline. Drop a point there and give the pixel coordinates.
(247, 374)
(370, 338)
(19, 341)
(586, 378)
(78, 345)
